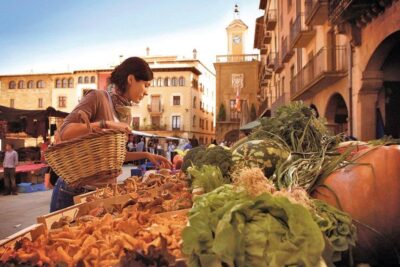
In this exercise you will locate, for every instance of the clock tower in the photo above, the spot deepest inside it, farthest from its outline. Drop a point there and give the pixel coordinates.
(236, 33)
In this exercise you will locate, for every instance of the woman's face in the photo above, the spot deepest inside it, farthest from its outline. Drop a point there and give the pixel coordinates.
(136, 89)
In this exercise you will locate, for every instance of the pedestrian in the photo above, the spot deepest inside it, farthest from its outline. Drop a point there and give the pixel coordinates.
(9, 164)
(171, 149)
(130, 145)
(187, 146)
(107, 110)
(140, 145)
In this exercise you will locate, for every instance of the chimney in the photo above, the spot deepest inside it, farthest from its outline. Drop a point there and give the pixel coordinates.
(147, 51)
(194, 53)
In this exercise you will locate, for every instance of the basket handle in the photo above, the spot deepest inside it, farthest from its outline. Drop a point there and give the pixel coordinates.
(84, 117)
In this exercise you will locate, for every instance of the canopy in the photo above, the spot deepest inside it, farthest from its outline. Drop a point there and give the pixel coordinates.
(12, 114)
(251, 125)
(32, 122)
(144, 134)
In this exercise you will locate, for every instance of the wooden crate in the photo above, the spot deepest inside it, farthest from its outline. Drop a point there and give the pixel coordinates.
(32, 232)
(83, 198)
(81, 209)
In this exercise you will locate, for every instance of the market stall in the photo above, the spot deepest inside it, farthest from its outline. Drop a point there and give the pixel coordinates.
(286, 195)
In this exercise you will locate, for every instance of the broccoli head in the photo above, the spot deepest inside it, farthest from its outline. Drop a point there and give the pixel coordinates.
(192, 157)
(215, 156)
(220, 157)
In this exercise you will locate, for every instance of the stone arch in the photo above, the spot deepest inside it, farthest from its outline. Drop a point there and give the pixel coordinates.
(372, 95)
(337, 114)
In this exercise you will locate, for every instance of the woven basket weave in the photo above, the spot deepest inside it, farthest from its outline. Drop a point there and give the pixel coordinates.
(97, 155)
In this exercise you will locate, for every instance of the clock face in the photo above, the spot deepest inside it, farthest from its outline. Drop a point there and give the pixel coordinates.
(236, 39)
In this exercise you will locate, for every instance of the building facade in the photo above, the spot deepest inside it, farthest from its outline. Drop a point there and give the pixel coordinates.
(336, 56)
(236, 84)
(180, 101)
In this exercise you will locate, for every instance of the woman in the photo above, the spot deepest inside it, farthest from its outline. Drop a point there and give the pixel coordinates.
(131, 80)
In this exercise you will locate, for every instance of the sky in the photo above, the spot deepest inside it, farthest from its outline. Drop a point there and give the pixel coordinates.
(39, 36)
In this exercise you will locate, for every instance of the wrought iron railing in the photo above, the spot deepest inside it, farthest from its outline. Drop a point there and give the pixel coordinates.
(298, 27)
(237, 58)
(327, 60)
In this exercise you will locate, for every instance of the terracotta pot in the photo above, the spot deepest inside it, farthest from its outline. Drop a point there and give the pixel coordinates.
(371, 194)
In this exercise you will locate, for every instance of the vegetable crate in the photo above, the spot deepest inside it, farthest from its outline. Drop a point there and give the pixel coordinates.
(84, 198)
(32, 232)
(81, 209)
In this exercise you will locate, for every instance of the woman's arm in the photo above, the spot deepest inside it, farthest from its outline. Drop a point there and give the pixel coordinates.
(73, 130)
(158, 161)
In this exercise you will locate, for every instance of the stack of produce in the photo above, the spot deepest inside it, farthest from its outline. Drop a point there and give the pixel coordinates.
(132, 238)
(158, 193)
(251, 223)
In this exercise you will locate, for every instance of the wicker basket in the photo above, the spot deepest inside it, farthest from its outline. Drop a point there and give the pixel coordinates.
(97, 155)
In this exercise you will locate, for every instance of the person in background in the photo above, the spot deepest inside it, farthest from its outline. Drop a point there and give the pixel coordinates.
(194, 142)
(130, 146)
(9, 164)
(170, 150)
(43, 148)
(140, 145)
(187, 146)
(160, 150)
(150, 146)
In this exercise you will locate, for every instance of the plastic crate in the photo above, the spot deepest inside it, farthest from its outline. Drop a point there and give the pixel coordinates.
(136, 172)
(30, 188)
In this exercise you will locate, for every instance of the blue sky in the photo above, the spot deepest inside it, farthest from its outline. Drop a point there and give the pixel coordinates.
(52, 35)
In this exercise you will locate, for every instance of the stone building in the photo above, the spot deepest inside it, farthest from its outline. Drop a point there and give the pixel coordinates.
(338, 56)
(181, 100)
(236, 84)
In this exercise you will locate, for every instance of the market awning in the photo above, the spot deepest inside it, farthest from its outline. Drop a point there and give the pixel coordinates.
(33, 122)
(251, 125)
(144, 134)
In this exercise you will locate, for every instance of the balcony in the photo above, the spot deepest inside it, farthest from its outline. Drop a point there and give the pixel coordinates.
(265, 75)
(155, 108)
(263, 51)
(237, 58)
(280, 101)
(324, 69)
(267, 38)
(271, 60)
(359, 12)
(270, 20)
(316, 12)
(287, 53)
(278, 64)
(177, 128)
(300, 33)
(153, 127)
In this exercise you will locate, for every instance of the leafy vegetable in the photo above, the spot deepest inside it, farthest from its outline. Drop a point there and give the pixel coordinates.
(337, 226)
(230, 228)
(207, 177)
(296, 125)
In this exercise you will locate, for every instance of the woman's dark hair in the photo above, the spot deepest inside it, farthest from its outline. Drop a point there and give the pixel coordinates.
(133, 65)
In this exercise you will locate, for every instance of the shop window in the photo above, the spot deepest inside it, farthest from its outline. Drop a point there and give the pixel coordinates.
(176, 100)
(62, 101)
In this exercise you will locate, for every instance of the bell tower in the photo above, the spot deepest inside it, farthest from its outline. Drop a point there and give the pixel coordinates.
(236, 33)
